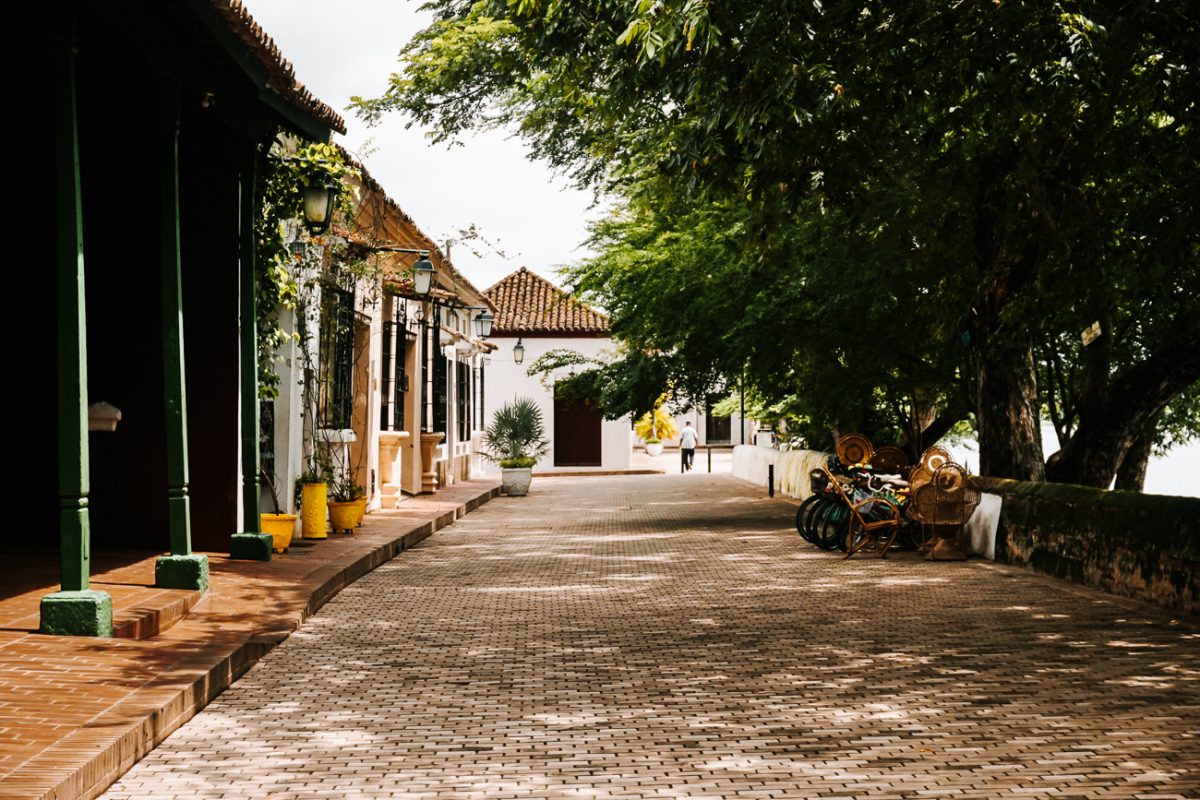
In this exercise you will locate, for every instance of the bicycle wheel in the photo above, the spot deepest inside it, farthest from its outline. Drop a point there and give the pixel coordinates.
(837, 522)
(826, 523)
(812, 518)
(802, 514)
(815, 520)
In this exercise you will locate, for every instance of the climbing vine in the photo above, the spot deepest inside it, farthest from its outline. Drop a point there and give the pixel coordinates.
(286, 174)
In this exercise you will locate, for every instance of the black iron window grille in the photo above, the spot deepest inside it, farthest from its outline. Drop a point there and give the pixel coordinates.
(463, 373)
(394, 378)
(439, 378)
(336, 400)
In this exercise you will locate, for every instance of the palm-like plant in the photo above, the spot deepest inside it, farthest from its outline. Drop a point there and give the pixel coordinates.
(517, 435)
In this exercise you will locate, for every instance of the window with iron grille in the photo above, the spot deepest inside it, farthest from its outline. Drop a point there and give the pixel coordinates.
(463, 371)
(426, 376)
(393, 378)
(441, 382)
(336, 399)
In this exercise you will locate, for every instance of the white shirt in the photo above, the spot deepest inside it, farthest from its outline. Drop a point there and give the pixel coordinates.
(687, 439)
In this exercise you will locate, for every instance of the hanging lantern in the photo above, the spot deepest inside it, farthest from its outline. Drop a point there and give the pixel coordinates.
(318, 207)
(422, 275)
(483, 324)
(518, 352)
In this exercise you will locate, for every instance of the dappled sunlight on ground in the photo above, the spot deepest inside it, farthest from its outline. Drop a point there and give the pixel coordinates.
(609, 638)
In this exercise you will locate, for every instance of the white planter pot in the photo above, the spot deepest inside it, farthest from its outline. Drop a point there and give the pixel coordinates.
(515, 482)
(654, 449)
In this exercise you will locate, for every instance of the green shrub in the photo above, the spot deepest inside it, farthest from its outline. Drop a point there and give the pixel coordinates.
(516, 433)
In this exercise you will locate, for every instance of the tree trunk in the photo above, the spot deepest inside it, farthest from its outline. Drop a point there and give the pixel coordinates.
(1134, 402)
(1010, 435)
(1131, 474)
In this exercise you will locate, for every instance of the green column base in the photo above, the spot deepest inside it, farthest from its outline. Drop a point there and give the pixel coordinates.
(83, 613)
(181, 572)
(251, 546)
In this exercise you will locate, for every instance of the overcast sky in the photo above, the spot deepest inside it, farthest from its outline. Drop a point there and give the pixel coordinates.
(349, 48)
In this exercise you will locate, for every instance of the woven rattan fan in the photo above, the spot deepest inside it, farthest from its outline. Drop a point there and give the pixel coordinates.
(854, 448)
(948, 499)
(934, 457)
(919, 476)
(890, 460)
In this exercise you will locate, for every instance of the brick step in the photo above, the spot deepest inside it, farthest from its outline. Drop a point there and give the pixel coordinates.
(154, 616)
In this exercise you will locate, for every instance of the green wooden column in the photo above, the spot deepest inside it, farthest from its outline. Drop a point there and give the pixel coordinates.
(250, 543)
(77, 609)
(182, 569)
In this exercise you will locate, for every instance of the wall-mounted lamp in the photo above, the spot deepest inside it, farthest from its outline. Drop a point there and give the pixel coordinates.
(318, 207)
(483, 324)
(518, 352)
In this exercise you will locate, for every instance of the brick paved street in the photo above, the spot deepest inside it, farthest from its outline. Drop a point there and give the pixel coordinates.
(668, 636)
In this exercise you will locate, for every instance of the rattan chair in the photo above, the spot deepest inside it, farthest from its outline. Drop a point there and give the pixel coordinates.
(881, 533)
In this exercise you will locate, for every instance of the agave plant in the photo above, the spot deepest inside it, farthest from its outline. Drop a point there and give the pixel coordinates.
(517, 435)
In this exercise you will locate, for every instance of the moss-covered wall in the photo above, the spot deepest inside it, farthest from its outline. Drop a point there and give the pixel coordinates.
(1137, 545)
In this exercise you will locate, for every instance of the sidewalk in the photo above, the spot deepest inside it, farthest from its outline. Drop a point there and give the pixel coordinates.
(76, 712)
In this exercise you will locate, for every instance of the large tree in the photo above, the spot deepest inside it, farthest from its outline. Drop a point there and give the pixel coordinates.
(1028, 168)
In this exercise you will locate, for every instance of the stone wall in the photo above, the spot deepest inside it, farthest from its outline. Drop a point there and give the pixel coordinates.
(1138, 545)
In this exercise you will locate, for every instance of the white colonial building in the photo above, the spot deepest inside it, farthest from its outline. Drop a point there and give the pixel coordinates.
(532, 311)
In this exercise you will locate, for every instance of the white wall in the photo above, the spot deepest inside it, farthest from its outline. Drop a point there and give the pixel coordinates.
(506, 381)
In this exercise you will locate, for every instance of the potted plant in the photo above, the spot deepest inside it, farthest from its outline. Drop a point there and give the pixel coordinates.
(344, 504)
(515, 440)
(653, 427)
(314, 494)
(280, 526)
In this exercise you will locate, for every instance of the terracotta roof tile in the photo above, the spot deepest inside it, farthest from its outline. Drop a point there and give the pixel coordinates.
(281, 76)
(528, 304)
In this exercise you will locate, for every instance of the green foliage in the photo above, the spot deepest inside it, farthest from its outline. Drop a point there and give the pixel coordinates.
(516, 432)
(656, 426)
(875, 210)
(519, 462)
(282, 200)
(345, 490)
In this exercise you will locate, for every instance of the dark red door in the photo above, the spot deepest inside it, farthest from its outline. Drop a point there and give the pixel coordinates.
(576, 434)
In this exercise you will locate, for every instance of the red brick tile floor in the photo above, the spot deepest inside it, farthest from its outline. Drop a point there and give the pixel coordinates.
(672, 637)
(76, 712)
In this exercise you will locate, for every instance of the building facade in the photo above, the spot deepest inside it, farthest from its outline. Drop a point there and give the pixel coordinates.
(534, 312)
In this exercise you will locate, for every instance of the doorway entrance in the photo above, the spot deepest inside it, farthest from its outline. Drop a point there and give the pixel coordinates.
(717, 430)
(576, 433)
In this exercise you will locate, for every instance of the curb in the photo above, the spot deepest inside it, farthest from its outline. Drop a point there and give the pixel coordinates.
(126, 732)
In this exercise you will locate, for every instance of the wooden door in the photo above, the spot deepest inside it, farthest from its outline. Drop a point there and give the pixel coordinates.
(576, 434)
(716, 429)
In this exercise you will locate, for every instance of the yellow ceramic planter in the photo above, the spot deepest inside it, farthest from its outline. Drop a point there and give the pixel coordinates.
(342, 515)
(313, 507)
(361, 504)
(281, 527)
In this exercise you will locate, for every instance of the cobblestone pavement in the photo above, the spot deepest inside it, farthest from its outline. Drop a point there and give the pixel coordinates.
(667, 636)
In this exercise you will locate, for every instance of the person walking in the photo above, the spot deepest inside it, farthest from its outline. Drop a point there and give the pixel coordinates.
(687, 446)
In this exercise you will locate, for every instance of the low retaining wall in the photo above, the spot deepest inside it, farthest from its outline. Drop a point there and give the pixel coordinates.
(751, 463)
(1143, 546)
